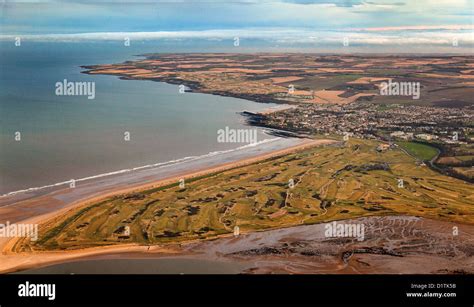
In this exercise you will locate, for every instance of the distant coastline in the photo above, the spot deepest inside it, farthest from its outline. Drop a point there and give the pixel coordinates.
(192, 87)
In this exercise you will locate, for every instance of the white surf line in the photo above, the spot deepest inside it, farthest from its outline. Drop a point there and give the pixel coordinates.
(149, 166)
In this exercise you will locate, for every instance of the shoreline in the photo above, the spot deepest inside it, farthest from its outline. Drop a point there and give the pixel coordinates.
(191, 86)
(138, 176)
(129, 170)
(12, 261)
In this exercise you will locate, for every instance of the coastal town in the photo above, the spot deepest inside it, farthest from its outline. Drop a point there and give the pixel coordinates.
(366, 120)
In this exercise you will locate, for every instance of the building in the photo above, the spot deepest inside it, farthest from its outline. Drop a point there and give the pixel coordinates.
(424, 136)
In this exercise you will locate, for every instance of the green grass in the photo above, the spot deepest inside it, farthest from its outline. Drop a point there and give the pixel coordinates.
(421, 151)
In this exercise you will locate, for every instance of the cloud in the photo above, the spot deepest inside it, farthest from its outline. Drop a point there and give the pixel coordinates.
(339, 3)
(281, 36)
(95, 16)
(418, 28)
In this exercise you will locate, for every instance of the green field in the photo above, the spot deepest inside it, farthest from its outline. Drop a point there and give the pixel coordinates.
(420, 151)
(329, 183)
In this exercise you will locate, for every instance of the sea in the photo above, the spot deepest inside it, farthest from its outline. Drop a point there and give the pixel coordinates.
(46, 139)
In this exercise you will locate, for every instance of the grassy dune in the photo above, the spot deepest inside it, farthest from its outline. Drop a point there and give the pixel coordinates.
(330, 183)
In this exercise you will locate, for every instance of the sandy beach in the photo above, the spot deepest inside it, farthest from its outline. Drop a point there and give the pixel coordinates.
(36, 207)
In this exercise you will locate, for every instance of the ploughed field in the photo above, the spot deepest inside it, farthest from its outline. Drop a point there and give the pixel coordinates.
(315, 185)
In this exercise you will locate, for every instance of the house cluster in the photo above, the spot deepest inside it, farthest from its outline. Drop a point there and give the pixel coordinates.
(369, 120)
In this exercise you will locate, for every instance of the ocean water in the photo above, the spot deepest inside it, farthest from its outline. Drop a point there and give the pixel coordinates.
(71, 137)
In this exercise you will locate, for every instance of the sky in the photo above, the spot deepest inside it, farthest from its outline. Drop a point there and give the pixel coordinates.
(413, 24)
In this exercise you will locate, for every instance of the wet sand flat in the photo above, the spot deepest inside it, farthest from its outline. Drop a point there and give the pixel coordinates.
(392, 245)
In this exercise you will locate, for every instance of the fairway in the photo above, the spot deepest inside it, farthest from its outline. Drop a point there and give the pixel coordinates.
(421, 151)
